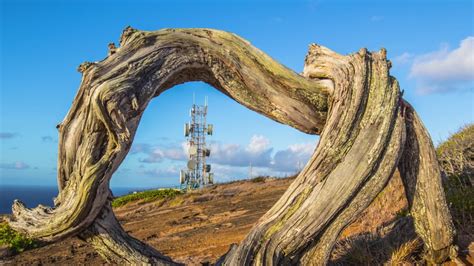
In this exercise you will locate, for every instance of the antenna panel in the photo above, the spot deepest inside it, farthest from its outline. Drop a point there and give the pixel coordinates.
(210, 129)
(210, 177)
(182, 176)
(186, 130)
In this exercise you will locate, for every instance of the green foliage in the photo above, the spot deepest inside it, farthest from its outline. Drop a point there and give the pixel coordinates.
(16, 241)
(456, 154)
(456, 158)
(259, 179)
(403, 213)
(146, 196)
(459, 196)
(465, 133)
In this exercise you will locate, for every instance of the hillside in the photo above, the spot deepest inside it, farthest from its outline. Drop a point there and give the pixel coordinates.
(199, 226)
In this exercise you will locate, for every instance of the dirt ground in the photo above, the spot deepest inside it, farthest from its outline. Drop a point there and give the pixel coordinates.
(199, 226)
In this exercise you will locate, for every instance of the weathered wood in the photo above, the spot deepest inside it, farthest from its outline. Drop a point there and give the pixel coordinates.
(352, 101)
(98, 130)
(421, 177)
(109, 239)
(356, 155)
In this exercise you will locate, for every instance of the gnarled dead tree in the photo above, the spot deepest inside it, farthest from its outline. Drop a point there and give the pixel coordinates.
(366, 130)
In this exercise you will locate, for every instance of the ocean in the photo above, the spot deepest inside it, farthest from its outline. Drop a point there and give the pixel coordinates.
(31, 196)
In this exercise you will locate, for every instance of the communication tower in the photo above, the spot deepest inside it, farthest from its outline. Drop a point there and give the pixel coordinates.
(197, 173)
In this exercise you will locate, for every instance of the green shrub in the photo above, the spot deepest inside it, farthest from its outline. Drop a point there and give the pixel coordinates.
(146, 196)
(14, 240)
(259, 179)
(456, 154)
(456, 158)
(459, 195)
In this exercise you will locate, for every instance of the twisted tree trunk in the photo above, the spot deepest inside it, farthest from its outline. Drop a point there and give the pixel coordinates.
(352, 101)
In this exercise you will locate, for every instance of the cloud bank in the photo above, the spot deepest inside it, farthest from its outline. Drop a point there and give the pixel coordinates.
(157, 154)
(444, 70)
(229, 160)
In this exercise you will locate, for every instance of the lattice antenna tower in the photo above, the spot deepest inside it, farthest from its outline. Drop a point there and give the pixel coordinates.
(197, 173)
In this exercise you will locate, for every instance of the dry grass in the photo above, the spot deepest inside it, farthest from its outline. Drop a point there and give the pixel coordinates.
(398, 244)
(359, 250)
(405, 253)
(393, 244)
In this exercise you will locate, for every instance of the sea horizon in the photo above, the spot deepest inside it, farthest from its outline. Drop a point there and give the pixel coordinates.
(33, 195)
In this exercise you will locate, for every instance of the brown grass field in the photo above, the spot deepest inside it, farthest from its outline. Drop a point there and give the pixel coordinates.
(199, 226)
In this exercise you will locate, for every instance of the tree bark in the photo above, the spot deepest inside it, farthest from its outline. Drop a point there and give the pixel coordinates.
(421, 176)
(356, 155)
(352, 101)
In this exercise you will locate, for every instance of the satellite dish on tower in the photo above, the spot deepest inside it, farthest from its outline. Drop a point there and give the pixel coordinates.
(192, 150)
(192, 164)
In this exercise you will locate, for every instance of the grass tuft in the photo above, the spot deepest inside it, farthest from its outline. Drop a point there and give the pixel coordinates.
(404, 254)
(146, 196)
(15, 240)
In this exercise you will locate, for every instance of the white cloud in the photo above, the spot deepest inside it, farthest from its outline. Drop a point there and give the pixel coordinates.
(172, 171)
(293, 158)
(225, 173)
(230, 161)
(140, 147)
(156, 154)
(159, 154)
(14, 166)
(445, 70)
(403, 59)
(258, 144)
(258, 153)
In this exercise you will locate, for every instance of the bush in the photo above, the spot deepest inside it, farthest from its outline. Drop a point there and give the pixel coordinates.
(456, 159)
(460, 198)
(259, 179)
(14, 240)
(456, 154)
(146, 196)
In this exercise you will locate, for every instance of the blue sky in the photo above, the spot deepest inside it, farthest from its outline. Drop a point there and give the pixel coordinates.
(431, 45)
